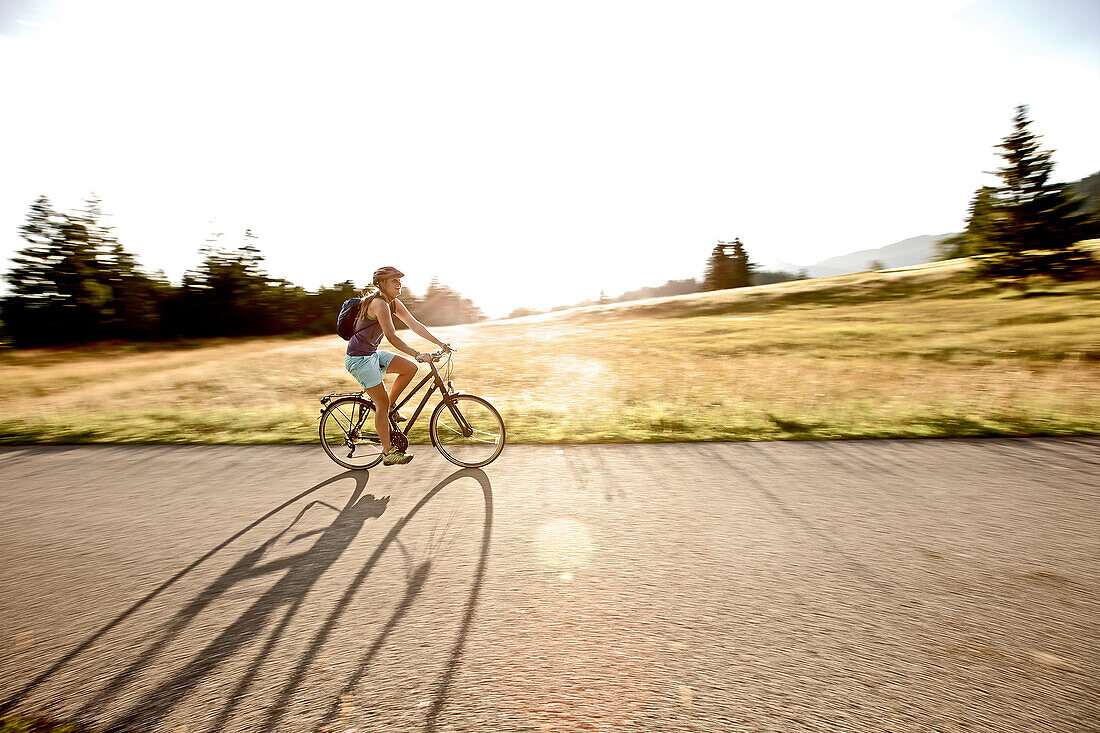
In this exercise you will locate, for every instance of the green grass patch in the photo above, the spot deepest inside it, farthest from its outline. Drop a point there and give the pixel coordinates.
(38, 724)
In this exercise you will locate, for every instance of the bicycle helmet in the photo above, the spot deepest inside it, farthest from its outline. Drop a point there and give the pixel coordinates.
(385, 273)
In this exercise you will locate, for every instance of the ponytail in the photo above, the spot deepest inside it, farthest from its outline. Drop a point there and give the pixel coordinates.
(368, 294)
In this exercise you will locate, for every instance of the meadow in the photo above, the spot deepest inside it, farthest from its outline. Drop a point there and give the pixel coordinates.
(914, 352)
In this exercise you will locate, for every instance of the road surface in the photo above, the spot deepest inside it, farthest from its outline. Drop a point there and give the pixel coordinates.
(856, 586)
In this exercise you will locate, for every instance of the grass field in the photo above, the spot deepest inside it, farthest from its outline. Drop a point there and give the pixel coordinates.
(923, 351)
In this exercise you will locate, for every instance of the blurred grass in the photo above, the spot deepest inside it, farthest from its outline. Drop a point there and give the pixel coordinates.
(23, 724)
(917, 352)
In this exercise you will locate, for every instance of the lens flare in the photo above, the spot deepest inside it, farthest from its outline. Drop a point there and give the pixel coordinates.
(563, 545)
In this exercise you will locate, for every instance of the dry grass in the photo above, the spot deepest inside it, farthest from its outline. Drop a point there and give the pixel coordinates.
(920, 352)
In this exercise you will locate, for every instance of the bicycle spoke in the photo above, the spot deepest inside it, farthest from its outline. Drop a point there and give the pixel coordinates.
(475, 430)
(342, 438)
(348, 420)
(469, 432)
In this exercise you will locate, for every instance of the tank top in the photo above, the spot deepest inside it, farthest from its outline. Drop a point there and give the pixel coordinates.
(365, 342)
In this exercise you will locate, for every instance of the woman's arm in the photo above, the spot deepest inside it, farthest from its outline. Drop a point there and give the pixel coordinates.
(414, 325)
(380, 310)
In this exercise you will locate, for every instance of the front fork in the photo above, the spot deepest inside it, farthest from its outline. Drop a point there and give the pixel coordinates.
(464, 426)
(446, 391)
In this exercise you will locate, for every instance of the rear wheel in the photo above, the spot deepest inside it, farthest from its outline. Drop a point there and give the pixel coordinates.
(348, 434)
(472, 435)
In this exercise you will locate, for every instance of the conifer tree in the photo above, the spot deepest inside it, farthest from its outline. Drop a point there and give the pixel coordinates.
(728, 267)
(35, 307)
(717, 272)
(132, 311)
(61, 291)
(1029, 225)
(740, 267)
(229, 294)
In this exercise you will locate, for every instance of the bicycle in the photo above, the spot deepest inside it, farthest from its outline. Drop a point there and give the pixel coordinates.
(465, 428)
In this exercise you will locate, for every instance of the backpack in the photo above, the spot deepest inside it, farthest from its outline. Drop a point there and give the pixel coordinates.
(345, 322)
(349, 311)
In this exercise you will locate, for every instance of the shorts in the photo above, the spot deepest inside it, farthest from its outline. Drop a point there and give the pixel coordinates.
(368, 370)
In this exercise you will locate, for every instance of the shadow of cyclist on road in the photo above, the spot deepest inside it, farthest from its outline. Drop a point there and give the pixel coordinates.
(299, 574)
(415, 580)
(267, 618)
(205, 598)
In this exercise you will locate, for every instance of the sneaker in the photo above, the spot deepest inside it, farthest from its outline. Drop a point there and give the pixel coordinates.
(396, 458)
(396, 416)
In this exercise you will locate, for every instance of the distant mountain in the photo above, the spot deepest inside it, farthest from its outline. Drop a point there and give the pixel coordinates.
(912, 251)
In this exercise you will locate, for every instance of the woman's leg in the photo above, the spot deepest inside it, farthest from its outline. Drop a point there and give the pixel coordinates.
(405, 369)
(381, 414)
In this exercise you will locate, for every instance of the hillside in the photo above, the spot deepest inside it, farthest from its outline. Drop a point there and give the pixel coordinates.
(921, 351)
(1088, 188)
(936, 279)
(912, 251)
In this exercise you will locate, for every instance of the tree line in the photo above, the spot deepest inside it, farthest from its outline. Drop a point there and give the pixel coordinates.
(75, 283)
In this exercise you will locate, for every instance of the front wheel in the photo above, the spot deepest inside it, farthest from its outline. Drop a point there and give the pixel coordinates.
(348, 433)
(470, 435)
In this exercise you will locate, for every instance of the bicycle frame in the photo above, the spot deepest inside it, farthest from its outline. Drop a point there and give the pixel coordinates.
(444, 392)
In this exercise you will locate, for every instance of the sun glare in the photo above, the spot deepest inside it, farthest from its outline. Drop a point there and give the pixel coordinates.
(564, 545)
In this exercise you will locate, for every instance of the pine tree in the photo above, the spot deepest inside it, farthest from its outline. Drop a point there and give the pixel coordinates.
(42, 231)
(728, 267)
(718, 267)
(740, 267)
(230, 294)
(61, 291)
(132, 311)
(35, 309)
(1028, 225)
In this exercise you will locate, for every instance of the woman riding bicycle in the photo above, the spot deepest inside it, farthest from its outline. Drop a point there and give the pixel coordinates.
(367, 363)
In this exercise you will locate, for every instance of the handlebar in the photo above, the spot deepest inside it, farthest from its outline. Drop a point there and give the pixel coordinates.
(435, 355)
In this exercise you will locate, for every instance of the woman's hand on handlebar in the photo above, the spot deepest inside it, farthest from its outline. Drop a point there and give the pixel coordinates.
(436, 356)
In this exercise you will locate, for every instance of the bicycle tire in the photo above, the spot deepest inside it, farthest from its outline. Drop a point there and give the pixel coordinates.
(337, 420)
(468, 451)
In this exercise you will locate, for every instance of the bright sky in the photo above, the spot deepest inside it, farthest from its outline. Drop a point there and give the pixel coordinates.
(529, 153)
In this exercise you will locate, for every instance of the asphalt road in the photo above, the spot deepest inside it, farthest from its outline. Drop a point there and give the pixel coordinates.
(841, 586)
